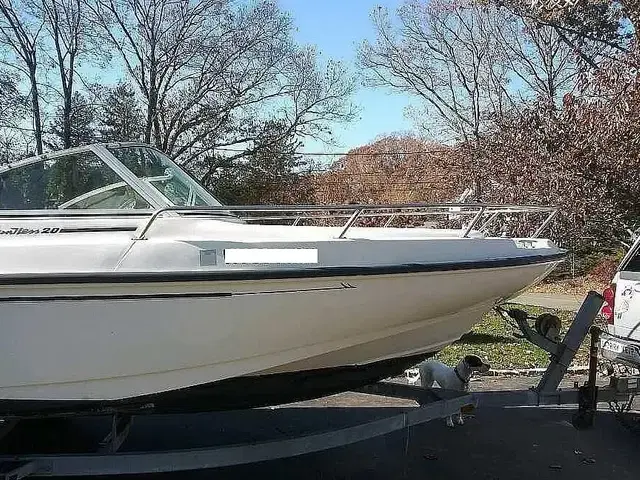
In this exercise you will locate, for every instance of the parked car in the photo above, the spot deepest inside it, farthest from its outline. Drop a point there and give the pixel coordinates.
(621, 342)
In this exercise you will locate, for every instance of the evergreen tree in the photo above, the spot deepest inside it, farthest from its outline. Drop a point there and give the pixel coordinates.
(271, 172)
(122, 118)
(82, 123)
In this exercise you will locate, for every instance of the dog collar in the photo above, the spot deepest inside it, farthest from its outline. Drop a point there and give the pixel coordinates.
(455, 370)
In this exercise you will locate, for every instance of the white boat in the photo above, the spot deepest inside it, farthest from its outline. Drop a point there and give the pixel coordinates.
(125, 284)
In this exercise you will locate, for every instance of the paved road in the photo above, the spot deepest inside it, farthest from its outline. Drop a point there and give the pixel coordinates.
(551, 300)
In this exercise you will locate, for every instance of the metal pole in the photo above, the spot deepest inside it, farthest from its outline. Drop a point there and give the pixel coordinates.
(571, 343)
(152, 219)
(593, 354)
(588, 393)
(544, 224)
(489, 221)
(391, 219)
(593, 367)
(473, 222)
(350, 222)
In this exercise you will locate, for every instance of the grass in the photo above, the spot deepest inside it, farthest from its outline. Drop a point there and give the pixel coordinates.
(493, 340)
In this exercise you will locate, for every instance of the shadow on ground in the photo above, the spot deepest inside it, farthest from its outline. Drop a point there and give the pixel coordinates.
(475, 338)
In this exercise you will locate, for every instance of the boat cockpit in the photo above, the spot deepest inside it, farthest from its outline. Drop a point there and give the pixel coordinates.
(122, 176)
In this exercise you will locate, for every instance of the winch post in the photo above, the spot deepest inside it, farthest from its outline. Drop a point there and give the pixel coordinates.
(571, 343)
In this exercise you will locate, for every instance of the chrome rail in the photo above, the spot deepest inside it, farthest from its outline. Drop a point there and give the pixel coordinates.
(545, 224)
(488, 222)
(354, 212)
(475, 220)
(350, 222)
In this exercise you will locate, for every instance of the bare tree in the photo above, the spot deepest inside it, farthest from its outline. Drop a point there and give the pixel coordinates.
(594, 30)
(445, 53)
(74, 127)
(158, 40)
(66, 24)
(213, 74)
(539, 57)
(20, 31)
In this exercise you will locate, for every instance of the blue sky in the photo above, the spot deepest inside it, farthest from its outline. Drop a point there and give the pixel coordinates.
(336, 27)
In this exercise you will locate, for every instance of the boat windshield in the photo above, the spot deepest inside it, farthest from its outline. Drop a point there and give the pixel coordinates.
(164, 175)
(79, 180)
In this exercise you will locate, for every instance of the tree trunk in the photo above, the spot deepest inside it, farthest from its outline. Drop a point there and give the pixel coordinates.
(35, 109)
(477, 165)
(156, 133)
(149, 123)
(152, 107)
(66, 122)
(67, 88)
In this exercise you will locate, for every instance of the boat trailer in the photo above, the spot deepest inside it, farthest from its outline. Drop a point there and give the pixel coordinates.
(107, 457)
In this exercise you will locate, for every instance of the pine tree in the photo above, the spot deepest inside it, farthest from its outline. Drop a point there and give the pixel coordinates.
(82, 123)
(121, 118)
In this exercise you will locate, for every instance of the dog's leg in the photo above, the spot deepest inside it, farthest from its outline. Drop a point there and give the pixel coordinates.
(450, 421)
(460, 419)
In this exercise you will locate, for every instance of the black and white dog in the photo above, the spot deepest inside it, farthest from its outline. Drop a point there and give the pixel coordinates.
(456, 378)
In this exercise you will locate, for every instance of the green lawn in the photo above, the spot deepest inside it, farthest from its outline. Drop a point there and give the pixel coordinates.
(493, 340)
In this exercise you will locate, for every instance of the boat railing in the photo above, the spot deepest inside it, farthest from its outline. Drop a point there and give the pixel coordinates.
(481, 215)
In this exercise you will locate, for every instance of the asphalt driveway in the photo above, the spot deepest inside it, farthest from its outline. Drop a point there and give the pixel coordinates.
(496, 444)
(493, 444)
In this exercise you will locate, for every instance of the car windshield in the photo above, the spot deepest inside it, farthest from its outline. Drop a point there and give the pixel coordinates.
(164, 175)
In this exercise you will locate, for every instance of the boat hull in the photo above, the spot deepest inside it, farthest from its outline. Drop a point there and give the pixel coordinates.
(230, 394)
(123, 341)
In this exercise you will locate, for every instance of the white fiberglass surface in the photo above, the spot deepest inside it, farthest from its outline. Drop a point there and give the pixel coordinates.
(141, 346)
(197, 229)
